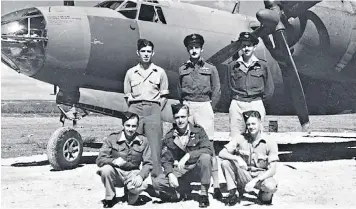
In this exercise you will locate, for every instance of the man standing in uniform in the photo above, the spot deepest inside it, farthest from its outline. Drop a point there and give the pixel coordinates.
(145, 88)
(186, 154)
(199, 87)
(119, 160)
(250, 82)
(250, 161)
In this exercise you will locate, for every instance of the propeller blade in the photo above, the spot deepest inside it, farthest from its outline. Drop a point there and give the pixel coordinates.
(225, 53)
(291, 80)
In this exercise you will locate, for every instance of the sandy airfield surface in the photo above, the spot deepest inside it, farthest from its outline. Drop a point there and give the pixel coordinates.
(328, 184)
(28, 181)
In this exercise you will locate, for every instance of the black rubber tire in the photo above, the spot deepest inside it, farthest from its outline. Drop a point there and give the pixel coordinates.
(55, 146)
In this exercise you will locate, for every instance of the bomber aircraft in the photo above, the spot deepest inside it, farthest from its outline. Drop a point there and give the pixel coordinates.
(86, 51)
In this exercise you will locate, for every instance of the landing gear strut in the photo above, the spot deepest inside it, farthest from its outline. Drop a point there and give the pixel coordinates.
(65, 146)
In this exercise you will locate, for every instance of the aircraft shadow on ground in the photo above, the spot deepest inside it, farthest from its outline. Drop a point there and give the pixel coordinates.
(39, 163)
(302, 152)
(309, 152)
(83, 160)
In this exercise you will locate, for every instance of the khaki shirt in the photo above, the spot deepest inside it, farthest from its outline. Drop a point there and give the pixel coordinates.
(183, 139)
(145, 85)
(199, 82)
(257, 154)
(249, 82)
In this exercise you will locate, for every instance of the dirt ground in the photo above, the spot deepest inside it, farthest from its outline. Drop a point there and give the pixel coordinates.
(329, 184)
(29, 182)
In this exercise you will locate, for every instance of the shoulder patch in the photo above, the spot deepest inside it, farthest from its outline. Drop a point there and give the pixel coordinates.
(197, 127)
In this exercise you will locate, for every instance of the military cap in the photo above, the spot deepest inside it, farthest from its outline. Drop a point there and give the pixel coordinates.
(251, 113)
(247, 36)
(193, 38)
(128, 115)
(178, 106)
(143, 43)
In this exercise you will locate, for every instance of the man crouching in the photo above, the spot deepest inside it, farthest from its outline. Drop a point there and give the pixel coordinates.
(119, 161)
(249, 161)
(186, 151)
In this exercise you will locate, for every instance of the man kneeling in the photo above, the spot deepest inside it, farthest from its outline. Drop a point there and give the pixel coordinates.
(186, 153)
(119, 161)
(249, 161)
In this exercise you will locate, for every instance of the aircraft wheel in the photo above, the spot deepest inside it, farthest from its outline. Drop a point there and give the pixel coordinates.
(65, 148)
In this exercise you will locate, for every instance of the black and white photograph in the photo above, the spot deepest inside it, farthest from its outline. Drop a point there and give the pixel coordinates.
(178, 104)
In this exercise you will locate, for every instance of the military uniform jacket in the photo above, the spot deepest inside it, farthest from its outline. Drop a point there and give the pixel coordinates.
(199, 82)
(249, 83)
(171, 150)
(134, 152)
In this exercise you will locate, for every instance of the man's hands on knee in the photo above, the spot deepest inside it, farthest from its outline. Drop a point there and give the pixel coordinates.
(137, 181)
(182, 161)
(173, 180)
(119, 162)
(251, 185)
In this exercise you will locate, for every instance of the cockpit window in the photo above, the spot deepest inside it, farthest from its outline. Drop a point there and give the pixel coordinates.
(151, 13)
(128, 9)
(24, 39)
(110, 4)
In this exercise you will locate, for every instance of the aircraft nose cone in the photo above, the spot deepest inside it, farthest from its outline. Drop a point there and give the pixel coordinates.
(23, 40)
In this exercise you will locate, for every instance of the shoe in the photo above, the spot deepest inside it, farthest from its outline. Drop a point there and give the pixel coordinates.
(151, 191)
(232, 200)
(185, 196)
(268, 202)
(241, 192)
(132, 198)
(109, 203)
(125, 197)
(165, 197)
(217, 194)
(204, 201)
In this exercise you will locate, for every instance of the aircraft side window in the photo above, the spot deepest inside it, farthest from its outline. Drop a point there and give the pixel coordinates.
(129, 9)
(151, 14)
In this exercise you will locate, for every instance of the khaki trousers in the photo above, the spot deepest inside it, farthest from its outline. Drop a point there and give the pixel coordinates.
(236, 119)
(115, 177)
(200, 171)
(202, 113)
(151, 126)
(237, 177)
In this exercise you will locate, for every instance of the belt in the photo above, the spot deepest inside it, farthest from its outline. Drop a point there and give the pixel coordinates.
(144, 102)
(248, 98)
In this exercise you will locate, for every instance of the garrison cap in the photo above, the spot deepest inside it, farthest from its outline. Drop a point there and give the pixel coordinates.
(247, 36)
(251, 113)
(193, 38)
(177, 107)
(143, 43)
(128, 115)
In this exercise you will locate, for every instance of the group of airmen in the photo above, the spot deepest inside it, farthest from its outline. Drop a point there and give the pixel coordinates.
(186, 152)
